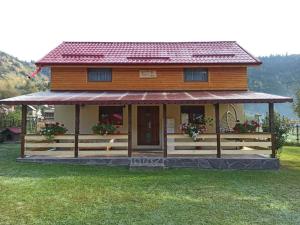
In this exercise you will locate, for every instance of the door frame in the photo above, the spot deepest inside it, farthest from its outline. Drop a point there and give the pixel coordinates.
(156, 108)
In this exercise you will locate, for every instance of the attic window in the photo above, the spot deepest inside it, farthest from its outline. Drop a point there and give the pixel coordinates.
(77, 55)
(213, 55)
(148, 58)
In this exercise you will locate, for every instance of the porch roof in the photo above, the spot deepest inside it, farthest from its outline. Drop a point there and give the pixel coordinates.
(143, 97)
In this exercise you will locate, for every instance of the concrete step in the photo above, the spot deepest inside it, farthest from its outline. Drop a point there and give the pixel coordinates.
(147, 162)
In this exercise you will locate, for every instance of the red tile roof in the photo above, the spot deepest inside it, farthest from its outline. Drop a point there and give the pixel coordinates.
(222, 52)
(142, 97)
(15, 130)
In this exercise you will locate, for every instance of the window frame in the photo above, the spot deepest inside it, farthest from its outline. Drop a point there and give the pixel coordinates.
(107, 69)
(192, 108)
(111, 111)
(200, 81)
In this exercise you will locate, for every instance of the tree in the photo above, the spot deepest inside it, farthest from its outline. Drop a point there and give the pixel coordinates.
(282, 126)
(297, 104)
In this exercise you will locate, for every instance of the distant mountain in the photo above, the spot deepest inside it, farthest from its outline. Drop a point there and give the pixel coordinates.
(277, 75)
(14, 80)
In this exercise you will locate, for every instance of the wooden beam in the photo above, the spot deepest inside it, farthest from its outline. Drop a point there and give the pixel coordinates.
(44, 138)
(262, 144)
(186, 136)
(165, 132)
(193, 143)
(129, 130)
(24, 128)
(89, 153)
(48, 145)
(217, 121)
(77, 124)
(103, 137)
(271, 126)
(246, 136)
(224, 152)
(102, 144)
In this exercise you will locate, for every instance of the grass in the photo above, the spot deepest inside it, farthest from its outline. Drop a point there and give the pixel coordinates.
(74, 194)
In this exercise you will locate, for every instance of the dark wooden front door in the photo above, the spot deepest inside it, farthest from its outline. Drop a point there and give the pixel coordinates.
(148, 125)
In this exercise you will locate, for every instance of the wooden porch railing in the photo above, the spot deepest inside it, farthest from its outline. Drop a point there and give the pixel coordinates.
(257, 143)
(85, 141)
(184, 140)
(231, 143)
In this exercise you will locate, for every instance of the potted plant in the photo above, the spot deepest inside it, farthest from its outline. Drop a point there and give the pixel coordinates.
(246, 127)
(199, 126)
(50, 130)
(103, 128)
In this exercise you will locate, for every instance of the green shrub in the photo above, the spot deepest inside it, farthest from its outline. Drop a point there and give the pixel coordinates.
(282, 127)
(50, 130)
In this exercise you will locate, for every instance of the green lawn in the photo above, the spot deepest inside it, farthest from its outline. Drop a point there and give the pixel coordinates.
(67, 194)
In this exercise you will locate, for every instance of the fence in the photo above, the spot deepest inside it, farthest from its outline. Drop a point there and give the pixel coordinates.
(31, 124)
(294, 135)
(4, 123)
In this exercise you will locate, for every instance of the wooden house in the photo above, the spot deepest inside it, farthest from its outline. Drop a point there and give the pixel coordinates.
(148, 91)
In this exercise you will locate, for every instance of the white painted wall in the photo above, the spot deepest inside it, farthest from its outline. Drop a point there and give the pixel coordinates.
(89, 116)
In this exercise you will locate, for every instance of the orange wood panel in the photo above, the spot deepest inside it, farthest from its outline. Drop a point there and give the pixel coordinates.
(220, 78)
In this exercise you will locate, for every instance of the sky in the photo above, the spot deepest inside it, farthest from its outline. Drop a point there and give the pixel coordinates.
(30, 29)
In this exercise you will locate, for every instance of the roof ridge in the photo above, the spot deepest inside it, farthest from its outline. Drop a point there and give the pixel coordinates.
(252, 56)
(144, 42)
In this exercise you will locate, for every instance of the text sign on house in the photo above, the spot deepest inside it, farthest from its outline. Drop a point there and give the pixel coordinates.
(148, 74)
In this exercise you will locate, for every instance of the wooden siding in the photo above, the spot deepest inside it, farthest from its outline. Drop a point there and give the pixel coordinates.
(220, 78)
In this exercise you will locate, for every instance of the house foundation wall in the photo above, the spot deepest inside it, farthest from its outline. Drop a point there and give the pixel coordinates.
(170, 162)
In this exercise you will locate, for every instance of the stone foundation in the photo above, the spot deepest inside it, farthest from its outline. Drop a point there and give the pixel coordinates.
(171, 162)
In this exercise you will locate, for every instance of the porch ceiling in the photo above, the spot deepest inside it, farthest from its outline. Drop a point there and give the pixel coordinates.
(141, 97)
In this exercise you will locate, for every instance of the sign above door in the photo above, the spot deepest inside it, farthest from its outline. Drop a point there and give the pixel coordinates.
(148, 74)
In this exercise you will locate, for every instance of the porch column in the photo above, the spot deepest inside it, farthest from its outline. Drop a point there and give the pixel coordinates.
(217, 121)
(271, 127)
(24, 128)
(77, 124)
(129, 130)
(165, 133)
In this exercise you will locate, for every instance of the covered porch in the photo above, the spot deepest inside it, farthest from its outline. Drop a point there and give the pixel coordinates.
(172, 146)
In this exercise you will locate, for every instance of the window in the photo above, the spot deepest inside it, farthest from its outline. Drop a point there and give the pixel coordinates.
(111, 114)
(196, 74)
(99, 74)
(190, 114)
